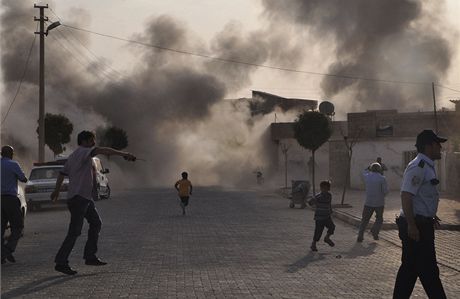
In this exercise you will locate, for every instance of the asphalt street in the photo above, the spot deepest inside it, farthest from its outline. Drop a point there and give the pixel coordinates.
(231, 244)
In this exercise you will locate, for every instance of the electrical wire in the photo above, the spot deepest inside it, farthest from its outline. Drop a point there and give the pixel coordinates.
(246, 63)
(22, 78)
(243, 62)
(85, 59)
(83, 64)
(442, 86)
(97, 63)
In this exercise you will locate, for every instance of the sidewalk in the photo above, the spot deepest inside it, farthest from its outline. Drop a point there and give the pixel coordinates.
(448, 210)
(447, 241)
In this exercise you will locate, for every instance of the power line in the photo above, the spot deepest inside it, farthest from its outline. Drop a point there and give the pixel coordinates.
(81, 54)
(243, 62)
(447, 88)
(97, 62)
(98, 59)
(22, 78)
(82, 63)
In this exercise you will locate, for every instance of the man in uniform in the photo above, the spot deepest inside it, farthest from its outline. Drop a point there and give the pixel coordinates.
(11, 205)
(416, 223)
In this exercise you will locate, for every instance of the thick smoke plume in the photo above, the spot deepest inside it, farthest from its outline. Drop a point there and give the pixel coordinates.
(171, 106)
(399, 40)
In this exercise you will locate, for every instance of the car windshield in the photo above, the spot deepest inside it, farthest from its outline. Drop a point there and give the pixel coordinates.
(44, 173)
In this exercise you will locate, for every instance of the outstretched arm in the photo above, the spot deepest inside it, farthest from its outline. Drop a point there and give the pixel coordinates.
(113, 152)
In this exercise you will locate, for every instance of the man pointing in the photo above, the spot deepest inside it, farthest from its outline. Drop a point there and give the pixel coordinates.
(79, 200)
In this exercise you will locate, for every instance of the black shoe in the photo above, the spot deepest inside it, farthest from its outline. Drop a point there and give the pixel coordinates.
(329, 242)
(360, 239)
(95, 262)
(376, 237)
(183, 211)
(313, 247)
(65, 269)
(11, 258)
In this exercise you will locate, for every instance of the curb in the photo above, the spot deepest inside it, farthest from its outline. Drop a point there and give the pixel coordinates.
(355, 221)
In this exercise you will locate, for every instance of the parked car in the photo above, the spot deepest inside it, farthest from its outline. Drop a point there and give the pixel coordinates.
(102, 182)
(42, 181)
(23, 201)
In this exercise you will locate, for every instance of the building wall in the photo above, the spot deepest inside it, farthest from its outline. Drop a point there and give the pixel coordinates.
(338, 163)
(453, 173)
(395, 155)
(299, 162)
(395, 146)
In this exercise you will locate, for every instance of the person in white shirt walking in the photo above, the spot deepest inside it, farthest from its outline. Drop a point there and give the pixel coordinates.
(376, 189)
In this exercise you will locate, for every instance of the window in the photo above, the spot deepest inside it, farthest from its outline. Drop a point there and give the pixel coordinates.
(44, 173)
(384, 130)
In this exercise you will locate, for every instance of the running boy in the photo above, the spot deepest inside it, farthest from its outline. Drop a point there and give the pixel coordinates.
(184, 187)
(323, 212)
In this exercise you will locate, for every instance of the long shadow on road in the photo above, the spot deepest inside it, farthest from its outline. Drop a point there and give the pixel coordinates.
(303, 262)
(41, 284)
(358, 250)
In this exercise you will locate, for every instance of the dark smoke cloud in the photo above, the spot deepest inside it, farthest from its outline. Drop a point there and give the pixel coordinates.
(170, 105)
(256, 47)
(387, 39)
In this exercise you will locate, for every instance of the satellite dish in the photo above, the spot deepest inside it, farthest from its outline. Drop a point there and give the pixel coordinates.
(326, 108)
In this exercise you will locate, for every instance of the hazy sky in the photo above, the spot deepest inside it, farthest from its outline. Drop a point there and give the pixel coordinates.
(172, 105)
(205, 19)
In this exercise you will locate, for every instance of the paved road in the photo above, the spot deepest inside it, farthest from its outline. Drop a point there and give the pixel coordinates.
(231, 244)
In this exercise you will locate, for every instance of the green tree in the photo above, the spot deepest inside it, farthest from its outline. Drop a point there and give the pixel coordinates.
(311, 130)
(58, 129)
(112, 137)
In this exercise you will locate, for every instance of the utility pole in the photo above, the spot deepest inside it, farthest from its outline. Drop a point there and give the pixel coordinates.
(434, 108)
(41, 99)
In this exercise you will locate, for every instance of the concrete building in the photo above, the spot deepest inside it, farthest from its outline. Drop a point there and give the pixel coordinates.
(381, 133)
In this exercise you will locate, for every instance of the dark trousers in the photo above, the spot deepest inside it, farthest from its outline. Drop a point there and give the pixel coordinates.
(418, 260)
(367, 214)
(184, 200)
(320, 225)
(80, 208)
(12, 214)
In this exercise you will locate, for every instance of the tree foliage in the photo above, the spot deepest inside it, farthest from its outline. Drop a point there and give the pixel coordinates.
(311, 130)
(113, 137)
(58, 129)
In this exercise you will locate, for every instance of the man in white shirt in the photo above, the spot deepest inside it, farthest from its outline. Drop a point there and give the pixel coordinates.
(417, 221)
(376, 189)
(79, 169)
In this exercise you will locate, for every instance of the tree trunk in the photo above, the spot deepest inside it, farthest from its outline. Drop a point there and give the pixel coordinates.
(285, 171)
(313, 172)
(347, 178)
